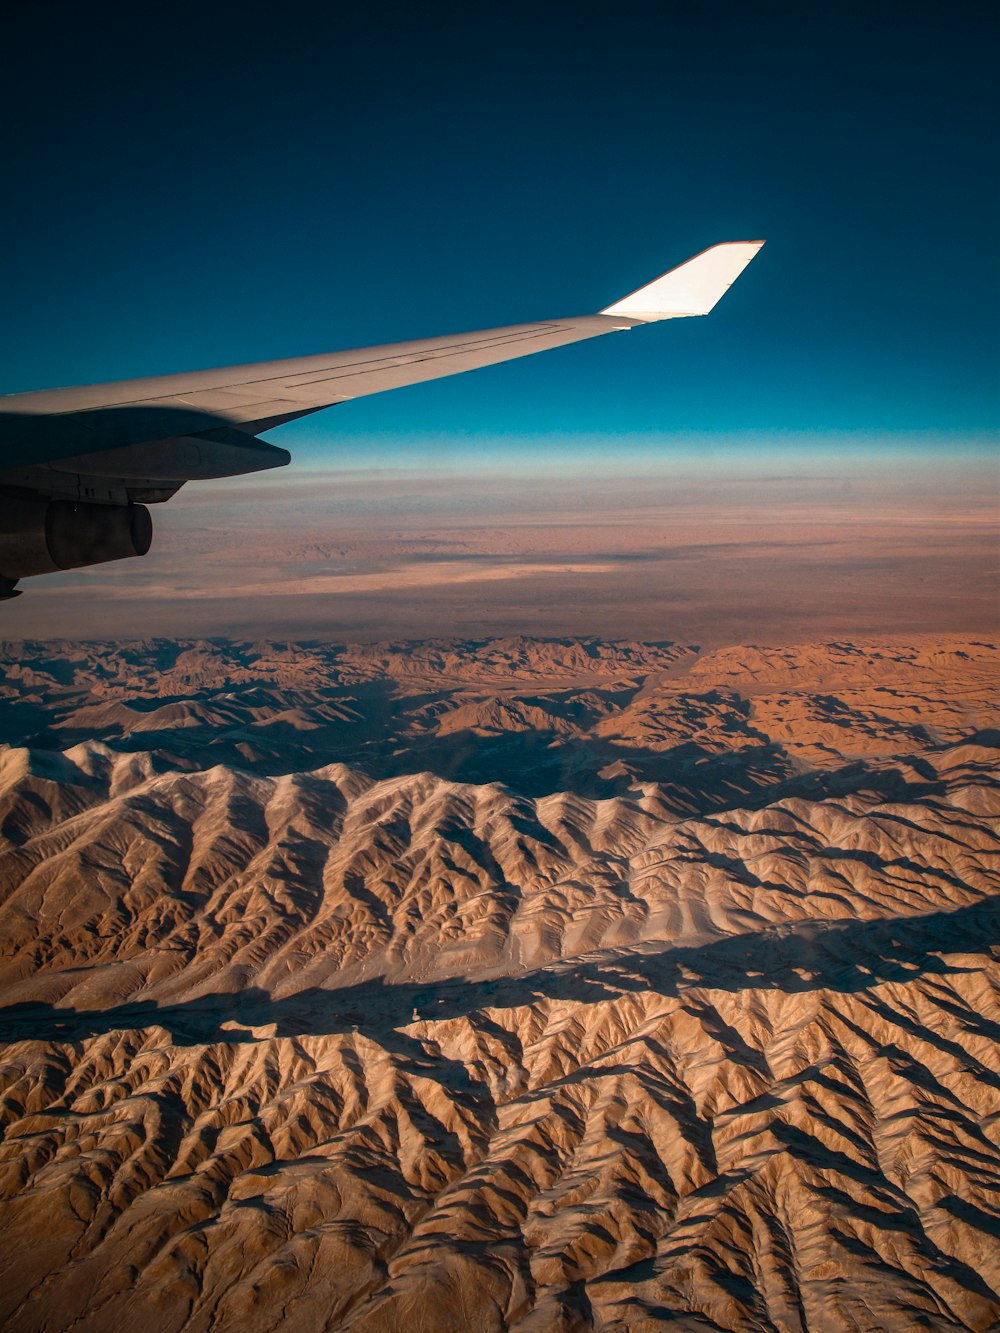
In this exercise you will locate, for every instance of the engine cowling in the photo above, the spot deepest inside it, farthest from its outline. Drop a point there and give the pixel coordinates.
(43, 536)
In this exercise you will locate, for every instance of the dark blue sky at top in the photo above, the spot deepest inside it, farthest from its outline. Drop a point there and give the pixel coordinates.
(190, 186)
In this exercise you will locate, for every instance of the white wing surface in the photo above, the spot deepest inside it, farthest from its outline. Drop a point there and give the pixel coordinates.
(692, 289)
(140, 440)
(65, 425)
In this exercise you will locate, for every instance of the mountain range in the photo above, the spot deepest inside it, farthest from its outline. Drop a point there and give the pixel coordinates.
(517, 983)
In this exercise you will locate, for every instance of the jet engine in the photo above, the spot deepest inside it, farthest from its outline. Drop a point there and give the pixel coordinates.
(42, 536)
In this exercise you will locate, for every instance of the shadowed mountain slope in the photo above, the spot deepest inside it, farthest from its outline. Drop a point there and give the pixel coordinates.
(567, 985)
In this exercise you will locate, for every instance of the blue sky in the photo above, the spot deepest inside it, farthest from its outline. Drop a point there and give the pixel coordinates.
(201, 185)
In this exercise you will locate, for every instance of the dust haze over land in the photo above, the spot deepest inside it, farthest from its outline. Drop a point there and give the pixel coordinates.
(734, 552)
(531, 983)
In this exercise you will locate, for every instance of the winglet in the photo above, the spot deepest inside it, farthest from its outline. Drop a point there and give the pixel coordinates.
(692, 288)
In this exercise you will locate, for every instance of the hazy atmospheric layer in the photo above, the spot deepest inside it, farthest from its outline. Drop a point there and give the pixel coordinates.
(772, 545)
(603, 984)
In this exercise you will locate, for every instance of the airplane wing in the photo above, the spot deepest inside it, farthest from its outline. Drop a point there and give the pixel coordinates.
(139, 440)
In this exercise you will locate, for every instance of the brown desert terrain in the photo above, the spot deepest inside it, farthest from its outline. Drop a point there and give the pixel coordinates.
(744, 553)
(546, 984)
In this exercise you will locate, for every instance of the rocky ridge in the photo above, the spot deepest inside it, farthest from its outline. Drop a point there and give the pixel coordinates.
(710, 1039)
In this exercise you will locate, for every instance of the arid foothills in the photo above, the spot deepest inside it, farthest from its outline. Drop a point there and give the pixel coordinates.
(560, 984)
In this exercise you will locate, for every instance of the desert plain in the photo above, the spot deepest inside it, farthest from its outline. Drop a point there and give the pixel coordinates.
(735, 546)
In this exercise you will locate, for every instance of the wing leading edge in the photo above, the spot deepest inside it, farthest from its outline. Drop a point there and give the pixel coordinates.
(139, 440)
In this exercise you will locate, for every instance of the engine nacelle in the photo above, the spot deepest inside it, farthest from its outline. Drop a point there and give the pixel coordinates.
(42, 536)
